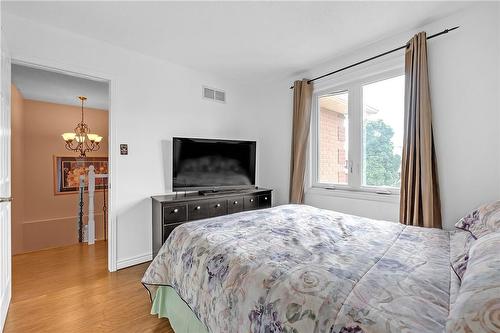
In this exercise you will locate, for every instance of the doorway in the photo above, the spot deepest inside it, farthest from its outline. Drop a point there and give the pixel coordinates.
(5, 163)
(50, 173)
(50, 215)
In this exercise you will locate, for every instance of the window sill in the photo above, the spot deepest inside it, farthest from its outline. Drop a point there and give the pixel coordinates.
(354, 194)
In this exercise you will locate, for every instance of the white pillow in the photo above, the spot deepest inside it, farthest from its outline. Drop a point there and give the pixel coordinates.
(477, 307)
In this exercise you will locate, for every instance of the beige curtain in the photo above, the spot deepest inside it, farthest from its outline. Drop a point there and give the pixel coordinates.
(420, 204)
(302, 96)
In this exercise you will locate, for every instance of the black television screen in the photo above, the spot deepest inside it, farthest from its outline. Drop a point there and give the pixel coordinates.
(201, 164)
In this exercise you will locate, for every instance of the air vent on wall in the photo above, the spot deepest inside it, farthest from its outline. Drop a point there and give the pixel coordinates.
(214, 94)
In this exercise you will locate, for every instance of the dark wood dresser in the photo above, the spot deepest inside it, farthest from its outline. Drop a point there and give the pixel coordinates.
(172, 210)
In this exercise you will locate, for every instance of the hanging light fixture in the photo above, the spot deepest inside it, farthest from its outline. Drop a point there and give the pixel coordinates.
(81, 140)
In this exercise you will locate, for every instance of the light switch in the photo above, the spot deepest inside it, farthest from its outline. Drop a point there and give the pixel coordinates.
(123, 149)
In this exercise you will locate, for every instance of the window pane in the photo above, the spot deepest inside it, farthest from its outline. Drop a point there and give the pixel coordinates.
(383, 116)
(332, 164)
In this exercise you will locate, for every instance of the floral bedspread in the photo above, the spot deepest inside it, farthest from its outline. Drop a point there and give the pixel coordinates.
(295, 268)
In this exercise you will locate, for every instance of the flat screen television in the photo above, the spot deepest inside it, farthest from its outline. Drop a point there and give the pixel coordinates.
(212, 164)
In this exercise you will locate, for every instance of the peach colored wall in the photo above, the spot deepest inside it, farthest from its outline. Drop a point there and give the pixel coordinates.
(51, 220)
(17, 169)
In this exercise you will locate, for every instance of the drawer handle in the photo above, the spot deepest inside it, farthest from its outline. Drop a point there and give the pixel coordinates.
(251, 200)
(265, 198)
(235, 202)
(197, 208)
(176, 210)
(217, 206)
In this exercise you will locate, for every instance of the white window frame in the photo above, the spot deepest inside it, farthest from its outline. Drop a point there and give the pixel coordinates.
(353, 83)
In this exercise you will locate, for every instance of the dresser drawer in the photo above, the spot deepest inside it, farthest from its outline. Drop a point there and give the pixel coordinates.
(234, 205)
(168, 228)
(264, 201)
(174, 213)
(217, 208)
(198, 210)
(250, 202)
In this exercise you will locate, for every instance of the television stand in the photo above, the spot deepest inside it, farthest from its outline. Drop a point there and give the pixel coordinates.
(170, 211)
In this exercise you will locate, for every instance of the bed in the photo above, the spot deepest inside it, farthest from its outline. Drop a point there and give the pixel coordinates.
(296, 268)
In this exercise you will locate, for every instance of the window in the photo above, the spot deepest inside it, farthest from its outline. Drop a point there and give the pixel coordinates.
(383, 113)
(358, 134)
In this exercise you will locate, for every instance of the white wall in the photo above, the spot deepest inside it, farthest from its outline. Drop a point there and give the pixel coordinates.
(465, 89)
(271, 103)
(464, 74)
(151, 101)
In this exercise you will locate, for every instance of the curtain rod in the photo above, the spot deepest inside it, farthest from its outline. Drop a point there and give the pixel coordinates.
(377, 56)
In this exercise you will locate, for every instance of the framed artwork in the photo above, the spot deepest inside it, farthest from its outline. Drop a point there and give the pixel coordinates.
(67, 172)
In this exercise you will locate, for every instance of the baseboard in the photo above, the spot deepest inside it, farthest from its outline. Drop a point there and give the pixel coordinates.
(4, 307)
(124, 263)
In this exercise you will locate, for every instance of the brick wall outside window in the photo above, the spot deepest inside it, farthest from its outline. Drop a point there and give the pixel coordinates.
(332, 154)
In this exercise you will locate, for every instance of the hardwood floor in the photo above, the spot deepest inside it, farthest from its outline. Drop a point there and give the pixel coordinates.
(69, 289)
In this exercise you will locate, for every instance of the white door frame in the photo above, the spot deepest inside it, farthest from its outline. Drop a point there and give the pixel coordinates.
(5, 188)
(83, 72)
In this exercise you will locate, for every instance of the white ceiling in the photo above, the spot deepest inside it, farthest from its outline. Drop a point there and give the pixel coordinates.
(47, 86)
(237, 39)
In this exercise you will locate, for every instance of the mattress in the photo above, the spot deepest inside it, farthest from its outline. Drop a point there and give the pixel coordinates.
(296, 268)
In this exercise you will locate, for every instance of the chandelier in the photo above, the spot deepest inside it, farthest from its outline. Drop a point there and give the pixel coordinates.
(81, 140)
